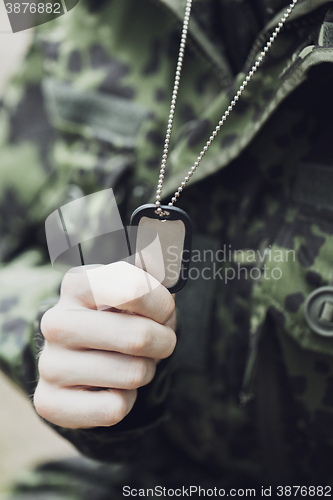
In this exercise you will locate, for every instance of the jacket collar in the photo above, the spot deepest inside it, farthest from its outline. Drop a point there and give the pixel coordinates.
(238, 132)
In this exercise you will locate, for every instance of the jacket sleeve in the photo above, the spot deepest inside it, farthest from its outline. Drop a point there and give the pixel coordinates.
(26, 280)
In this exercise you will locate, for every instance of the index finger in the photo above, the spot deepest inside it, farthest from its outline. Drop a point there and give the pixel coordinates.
(122, 286)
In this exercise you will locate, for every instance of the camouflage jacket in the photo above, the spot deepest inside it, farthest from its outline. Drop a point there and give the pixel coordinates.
(250, 387)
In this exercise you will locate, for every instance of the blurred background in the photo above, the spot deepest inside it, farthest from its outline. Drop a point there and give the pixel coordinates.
(25, 440)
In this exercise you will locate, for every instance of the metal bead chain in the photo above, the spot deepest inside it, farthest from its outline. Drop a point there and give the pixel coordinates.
(173, 105)
(224, 117)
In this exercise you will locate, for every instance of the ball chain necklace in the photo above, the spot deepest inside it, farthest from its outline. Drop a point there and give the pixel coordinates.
(163, 213)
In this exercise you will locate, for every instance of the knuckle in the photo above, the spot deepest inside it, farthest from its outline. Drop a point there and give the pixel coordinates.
(67, 283)
(115, 410)
(49, 324)
(75, 279)
(151, 370)
(135, 284)
(48, 370)
(42, 403)
(43, 365)
(142, 339)
(137, 290)
(168, 309)
(137, 373)
(172, 340)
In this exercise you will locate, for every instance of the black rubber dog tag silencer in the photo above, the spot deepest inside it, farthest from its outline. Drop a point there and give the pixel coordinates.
(162, 244)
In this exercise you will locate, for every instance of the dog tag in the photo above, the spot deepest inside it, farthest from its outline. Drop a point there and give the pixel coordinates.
(162, 244)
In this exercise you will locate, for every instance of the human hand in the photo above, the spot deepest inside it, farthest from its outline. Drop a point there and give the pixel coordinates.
(93, 361)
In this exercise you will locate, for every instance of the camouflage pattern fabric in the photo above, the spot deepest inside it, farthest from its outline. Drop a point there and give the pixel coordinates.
(87, 111)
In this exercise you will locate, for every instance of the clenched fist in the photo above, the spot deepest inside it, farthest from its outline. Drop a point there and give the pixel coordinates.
(93, 361)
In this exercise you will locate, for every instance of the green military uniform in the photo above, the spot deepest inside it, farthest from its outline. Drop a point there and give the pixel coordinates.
(247, 398)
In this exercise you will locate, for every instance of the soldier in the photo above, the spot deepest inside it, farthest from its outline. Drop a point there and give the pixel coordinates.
(246, 399)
